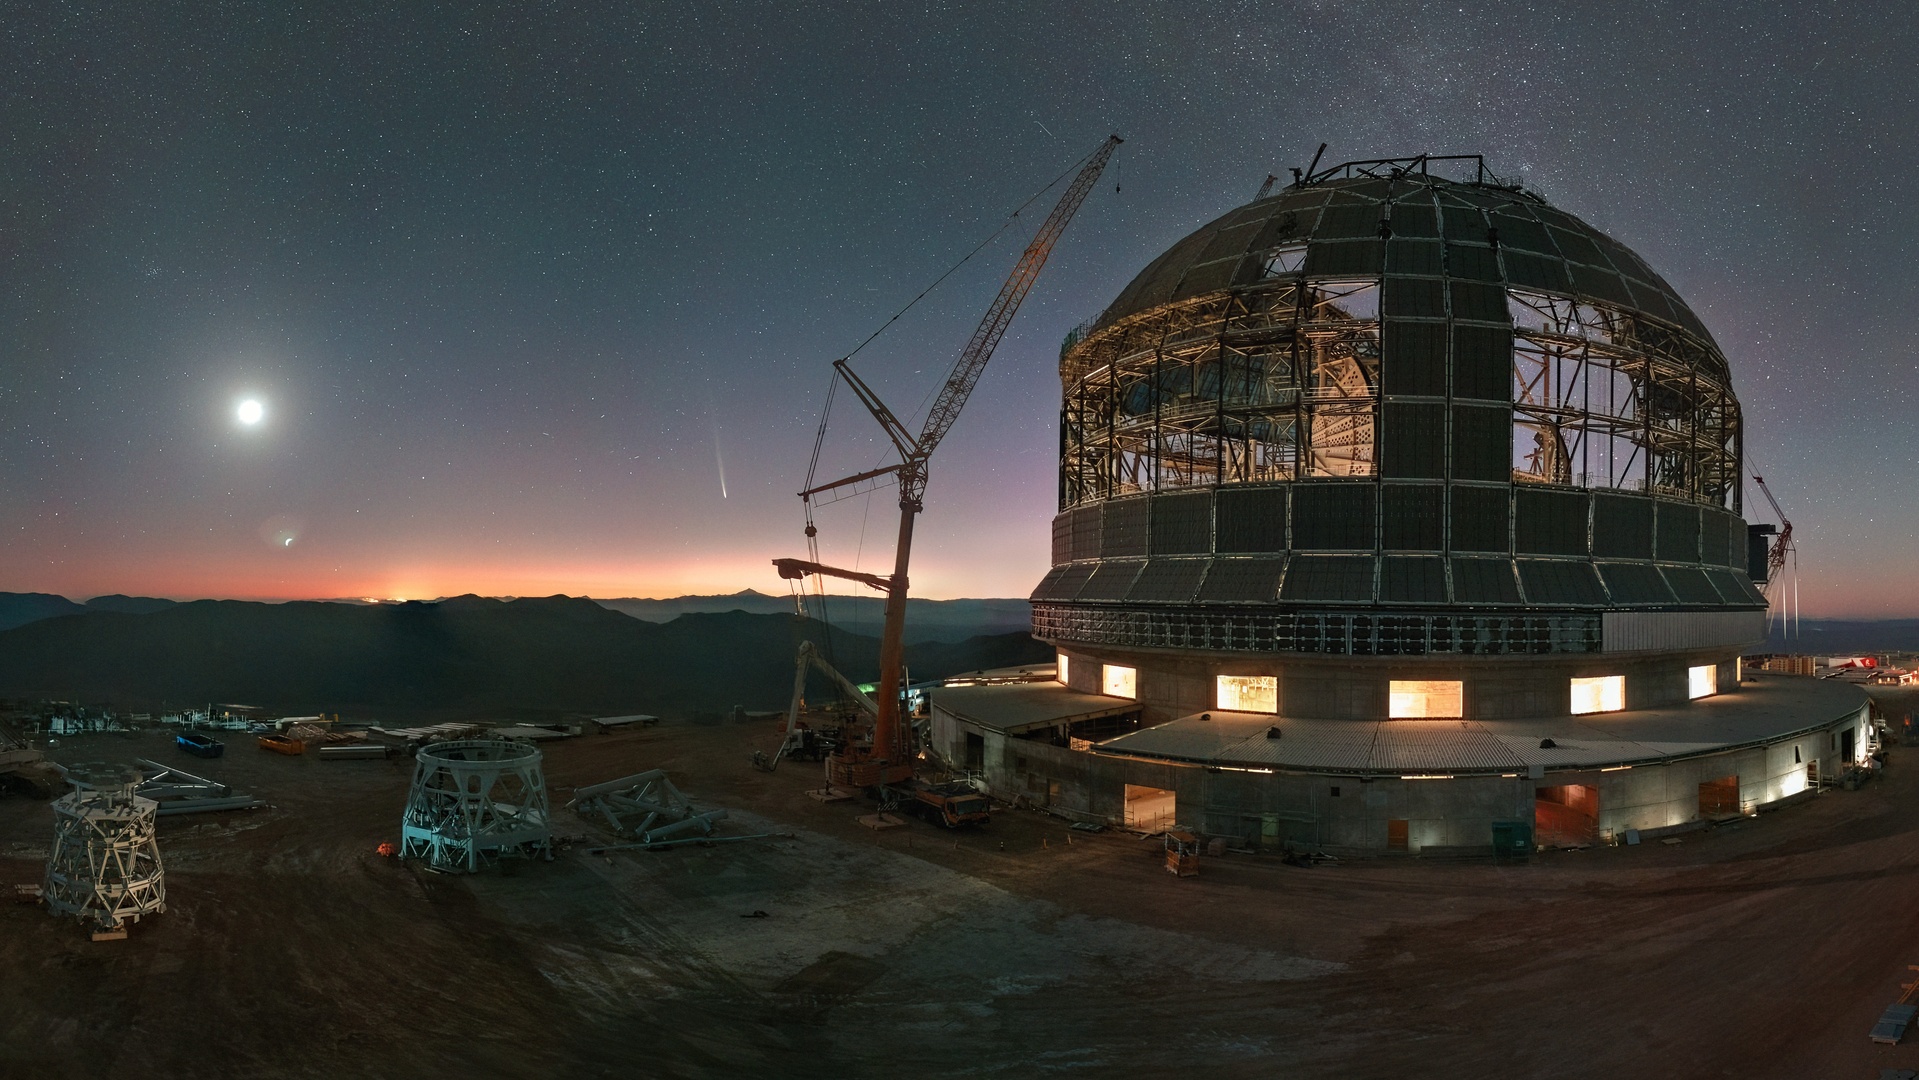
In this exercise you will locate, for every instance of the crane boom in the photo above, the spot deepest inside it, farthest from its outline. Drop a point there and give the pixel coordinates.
(888, 758)
(986, 337)
(1781, 547)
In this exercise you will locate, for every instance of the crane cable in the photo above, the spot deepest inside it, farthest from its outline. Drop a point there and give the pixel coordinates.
(819, 436)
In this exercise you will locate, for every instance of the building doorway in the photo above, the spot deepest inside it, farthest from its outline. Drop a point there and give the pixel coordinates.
(1149, 808)
(1719, 798)
(1397, 835)
(1566, 815)
(1848, 744)
(975, 752)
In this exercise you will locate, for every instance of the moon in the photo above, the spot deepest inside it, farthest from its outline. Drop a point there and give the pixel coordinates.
(251, 412)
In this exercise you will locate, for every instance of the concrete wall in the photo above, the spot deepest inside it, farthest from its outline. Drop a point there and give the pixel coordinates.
(1270, 809)
(1171, 685)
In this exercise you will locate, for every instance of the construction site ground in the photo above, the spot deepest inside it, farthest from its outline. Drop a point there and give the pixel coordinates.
(289, 948)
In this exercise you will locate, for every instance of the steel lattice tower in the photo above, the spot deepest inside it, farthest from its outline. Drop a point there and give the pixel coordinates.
(105, 864)
(474, 801)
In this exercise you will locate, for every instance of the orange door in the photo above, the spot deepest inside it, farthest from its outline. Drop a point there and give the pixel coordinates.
(1396, 836)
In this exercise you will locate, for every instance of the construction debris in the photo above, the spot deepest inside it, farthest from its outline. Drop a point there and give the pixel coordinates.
(414, 736)
(354, 752)
(1898, 1015)
(201, 806)
(25, 769)
(528, 733)
(644, 807)
(181, 792)
(615, 723)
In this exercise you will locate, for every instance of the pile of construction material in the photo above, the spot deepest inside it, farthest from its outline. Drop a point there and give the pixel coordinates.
(354, 751)
(414, 737)
(530, 733)
(174, 790)
(645, 808)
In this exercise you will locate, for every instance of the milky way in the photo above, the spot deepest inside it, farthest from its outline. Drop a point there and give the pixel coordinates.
(510, 283)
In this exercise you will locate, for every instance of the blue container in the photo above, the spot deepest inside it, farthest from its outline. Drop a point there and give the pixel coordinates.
(199, 745)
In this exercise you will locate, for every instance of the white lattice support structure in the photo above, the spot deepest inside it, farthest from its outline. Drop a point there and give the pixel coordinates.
(474, 801)
(105, 865)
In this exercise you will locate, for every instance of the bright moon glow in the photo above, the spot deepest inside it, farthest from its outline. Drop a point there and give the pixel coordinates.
(251, 411)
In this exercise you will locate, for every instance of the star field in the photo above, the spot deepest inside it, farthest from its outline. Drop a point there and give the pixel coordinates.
(515, 283)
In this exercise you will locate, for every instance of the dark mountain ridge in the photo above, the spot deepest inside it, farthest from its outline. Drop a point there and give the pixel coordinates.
(459, 657)
(926, 620)
(18, 609)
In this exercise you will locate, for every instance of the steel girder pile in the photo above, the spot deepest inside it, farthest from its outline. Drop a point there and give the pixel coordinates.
(645, 807)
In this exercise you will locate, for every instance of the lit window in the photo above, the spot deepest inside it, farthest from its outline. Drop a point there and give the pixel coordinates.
(1247, 693)
(1118, 681)
(1061, 676)
(1607, 693)
(1702, 681)
(1412, 700)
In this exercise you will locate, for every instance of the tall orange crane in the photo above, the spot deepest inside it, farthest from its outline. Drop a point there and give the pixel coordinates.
(887, 758)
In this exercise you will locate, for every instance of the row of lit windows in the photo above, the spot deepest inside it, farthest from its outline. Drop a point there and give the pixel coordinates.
(1406, 699)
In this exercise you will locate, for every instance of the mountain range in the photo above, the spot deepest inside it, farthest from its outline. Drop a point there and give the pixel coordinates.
(457, 658)
(926, 620)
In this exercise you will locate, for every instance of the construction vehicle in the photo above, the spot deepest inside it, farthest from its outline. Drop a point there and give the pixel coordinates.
(883, 755)
(801, 740)
(952, 804)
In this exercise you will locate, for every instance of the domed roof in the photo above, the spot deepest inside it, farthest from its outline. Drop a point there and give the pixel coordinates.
(1437, 227)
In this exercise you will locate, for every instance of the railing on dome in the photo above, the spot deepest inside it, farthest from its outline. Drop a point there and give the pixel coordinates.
(1337, 633)
(1420, 165)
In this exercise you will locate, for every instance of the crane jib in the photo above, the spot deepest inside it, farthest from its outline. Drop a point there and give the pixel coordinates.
(888, 757)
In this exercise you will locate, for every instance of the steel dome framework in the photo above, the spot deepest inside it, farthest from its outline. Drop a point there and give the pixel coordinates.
(1439, 399)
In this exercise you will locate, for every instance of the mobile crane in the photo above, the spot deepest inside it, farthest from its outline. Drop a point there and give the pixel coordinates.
(886, 757)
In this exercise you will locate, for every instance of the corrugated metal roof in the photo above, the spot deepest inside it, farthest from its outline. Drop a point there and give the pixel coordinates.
(1421, 745)
(1016, 707)
(1770, 710)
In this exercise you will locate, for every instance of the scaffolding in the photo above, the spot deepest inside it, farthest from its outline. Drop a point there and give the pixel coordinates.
(475, 801)
(105, 867)
(1261, 349)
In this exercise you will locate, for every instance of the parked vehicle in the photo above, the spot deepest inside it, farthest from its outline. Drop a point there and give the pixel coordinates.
(199, 745)
(951, 804)
(280, 744)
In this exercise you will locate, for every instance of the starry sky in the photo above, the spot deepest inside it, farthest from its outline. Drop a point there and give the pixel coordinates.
(542, 298)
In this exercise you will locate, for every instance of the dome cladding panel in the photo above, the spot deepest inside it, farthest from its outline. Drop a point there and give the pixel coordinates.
(1492, 403)
(1539, 246)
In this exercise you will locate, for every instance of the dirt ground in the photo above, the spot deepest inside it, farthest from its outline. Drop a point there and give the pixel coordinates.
(290, 949)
